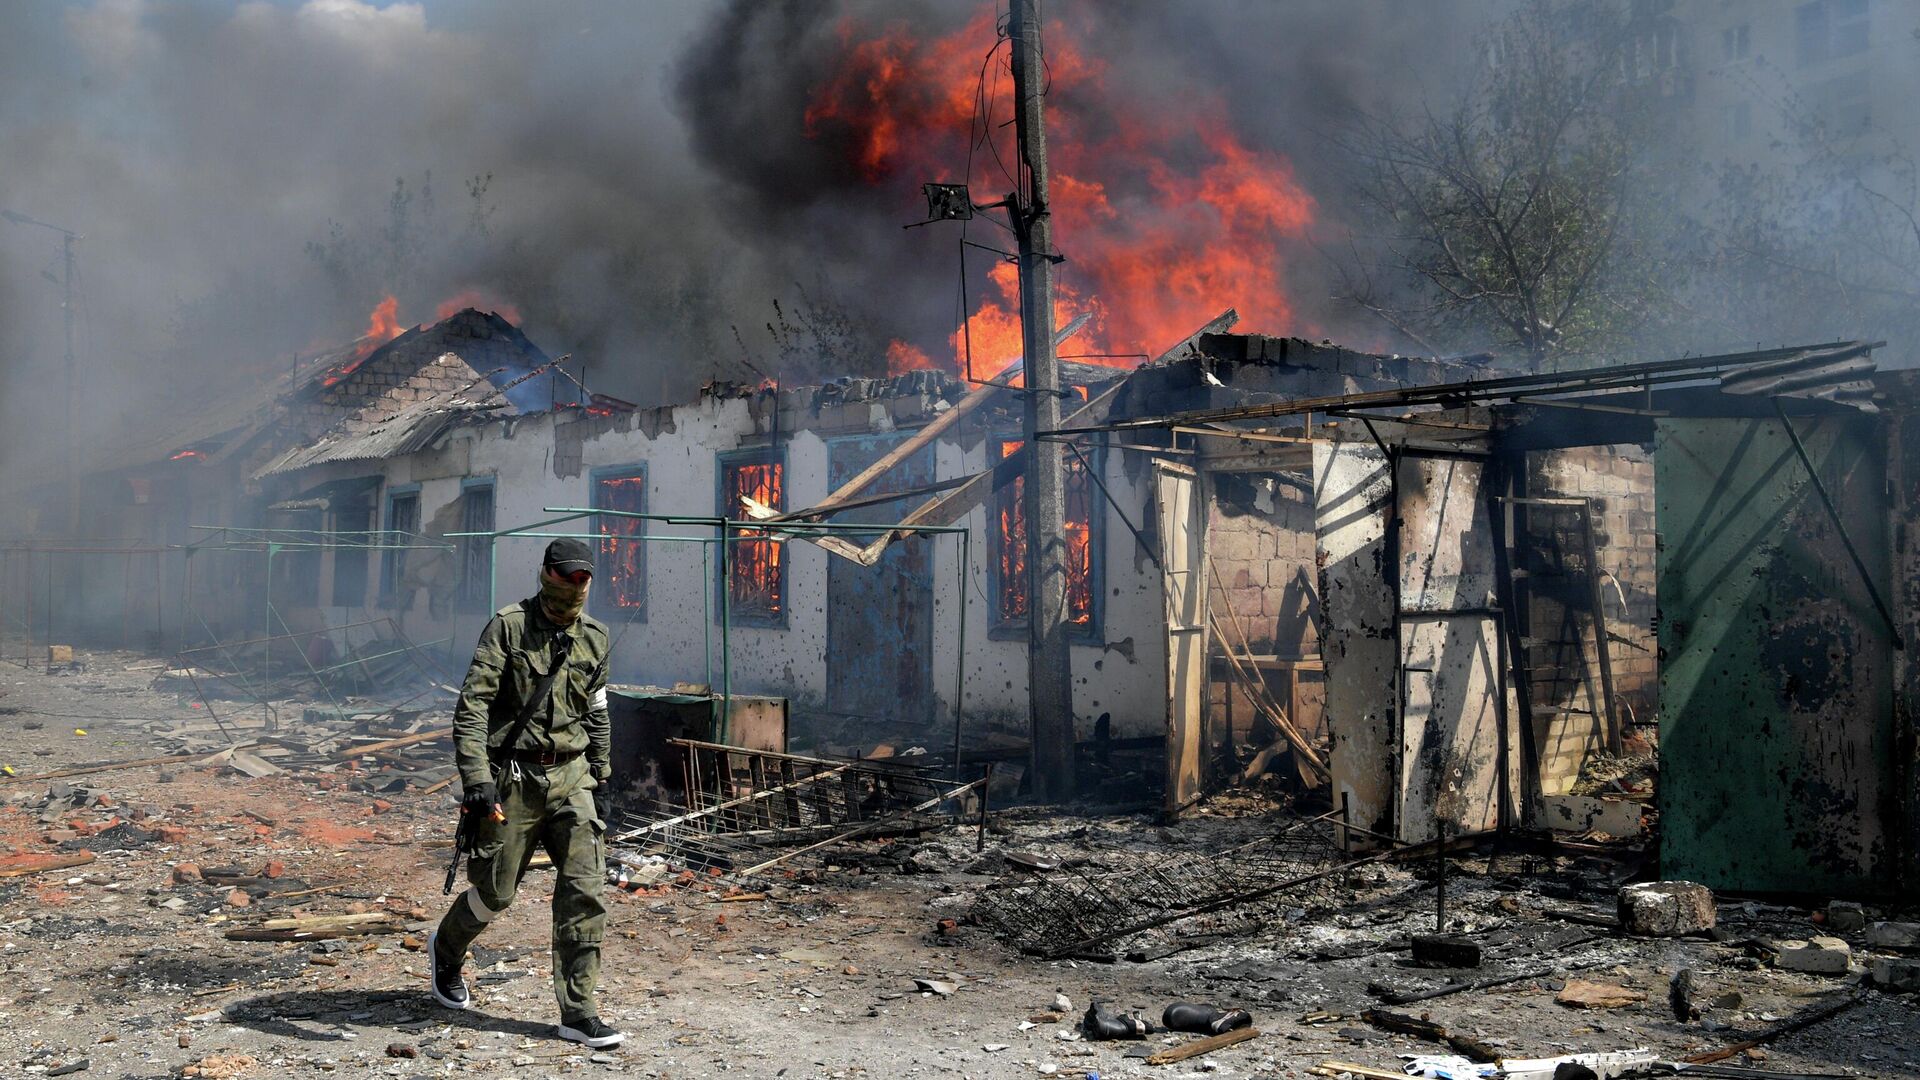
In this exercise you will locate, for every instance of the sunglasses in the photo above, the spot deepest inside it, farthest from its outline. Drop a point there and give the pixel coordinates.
(577, 577)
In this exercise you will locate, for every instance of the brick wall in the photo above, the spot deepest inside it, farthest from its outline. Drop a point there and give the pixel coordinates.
(1561, 655)
(1260, 547)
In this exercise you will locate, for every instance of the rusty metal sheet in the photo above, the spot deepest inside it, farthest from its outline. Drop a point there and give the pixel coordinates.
(1776, 681)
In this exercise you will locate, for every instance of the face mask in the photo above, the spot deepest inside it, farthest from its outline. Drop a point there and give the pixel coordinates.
(562, 599)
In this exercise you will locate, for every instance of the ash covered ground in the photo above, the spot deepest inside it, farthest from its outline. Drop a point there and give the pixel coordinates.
(867, 960)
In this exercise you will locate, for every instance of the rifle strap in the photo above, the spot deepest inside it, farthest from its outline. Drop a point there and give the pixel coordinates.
(542, 695)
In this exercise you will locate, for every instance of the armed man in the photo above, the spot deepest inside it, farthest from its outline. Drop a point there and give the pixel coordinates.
(531, 741)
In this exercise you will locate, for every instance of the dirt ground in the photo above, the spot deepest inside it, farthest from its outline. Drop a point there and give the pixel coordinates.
(123, 962)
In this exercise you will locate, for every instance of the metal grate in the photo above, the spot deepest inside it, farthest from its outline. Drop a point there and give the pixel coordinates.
(1069, 911)
(741, 802)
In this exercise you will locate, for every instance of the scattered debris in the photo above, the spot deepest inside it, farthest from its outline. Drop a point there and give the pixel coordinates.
(1204, 1019)
(1820, 956)
(1586, 994)
(1102, 1023)
(1666, 909)
(1897, 973)
(1894, 935)
(1203, 1046)
(1445, 951)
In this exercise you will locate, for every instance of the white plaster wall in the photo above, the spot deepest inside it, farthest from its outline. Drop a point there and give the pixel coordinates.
(666, 646)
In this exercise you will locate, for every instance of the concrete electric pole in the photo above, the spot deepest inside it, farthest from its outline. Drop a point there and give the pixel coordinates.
(1049, 663)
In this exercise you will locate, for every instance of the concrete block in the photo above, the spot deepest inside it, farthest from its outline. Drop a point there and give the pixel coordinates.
(1819, 956)
(1900, 973)
(1581, 813)
(1894, 935)
(1844, 917)
(1666, 908)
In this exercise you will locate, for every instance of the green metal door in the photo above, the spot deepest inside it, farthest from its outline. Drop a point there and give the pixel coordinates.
(1775, 679)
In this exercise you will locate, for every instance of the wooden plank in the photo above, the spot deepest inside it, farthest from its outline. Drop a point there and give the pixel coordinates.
(960, 411)
(1335, 1068)
(395, 744)
(38, 864)
(792, 801)
(1205, 1046)
(956, 504)
(110, 766)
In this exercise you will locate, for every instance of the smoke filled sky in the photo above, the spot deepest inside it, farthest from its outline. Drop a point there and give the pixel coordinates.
(640, 183)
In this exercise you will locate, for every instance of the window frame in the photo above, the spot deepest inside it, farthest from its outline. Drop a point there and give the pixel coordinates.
(600, 598)
(472, 553)
(393, 561)
(357, 548)
(1000, 629)
(727, 459)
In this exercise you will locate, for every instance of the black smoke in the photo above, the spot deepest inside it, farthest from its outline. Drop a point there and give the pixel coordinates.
(636, 180)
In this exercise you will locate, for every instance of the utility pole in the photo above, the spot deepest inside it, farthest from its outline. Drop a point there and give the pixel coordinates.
(1049, 664)
(67, 237)
(73, 450)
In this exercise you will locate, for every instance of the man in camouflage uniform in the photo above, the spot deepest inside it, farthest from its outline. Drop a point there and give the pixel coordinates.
(547, 787)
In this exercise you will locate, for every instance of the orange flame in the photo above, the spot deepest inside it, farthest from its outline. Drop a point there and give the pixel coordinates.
(1009, 544)
(902, 358)
(383, 325)
(1166, 216)
(185, 454)
(477, 298)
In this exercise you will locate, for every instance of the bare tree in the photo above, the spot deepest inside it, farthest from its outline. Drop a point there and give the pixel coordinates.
(1504, 222)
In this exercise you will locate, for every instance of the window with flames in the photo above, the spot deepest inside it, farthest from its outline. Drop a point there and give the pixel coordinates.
(1008, 548)
(757, 570)
(621, 588)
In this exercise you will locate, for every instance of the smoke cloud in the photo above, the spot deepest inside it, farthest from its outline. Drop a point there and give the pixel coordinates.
(638, 183)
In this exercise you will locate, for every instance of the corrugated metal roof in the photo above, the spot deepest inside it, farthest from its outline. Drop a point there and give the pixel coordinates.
(412, 428)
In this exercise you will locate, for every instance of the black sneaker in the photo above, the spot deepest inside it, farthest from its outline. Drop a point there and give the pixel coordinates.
(591, 1032)
(449, 988)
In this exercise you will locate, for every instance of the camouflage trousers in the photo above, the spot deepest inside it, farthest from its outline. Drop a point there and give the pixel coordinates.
(549, 807)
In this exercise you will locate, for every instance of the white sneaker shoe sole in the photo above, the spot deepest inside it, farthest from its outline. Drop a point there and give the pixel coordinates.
(581, 1037)
(433, 979)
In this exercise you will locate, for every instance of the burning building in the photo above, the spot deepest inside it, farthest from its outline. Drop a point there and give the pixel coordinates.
(1415, 584)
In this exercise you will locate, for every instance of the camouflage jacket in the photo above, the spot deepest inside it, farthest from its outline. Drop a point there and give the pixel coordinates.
(513, 656)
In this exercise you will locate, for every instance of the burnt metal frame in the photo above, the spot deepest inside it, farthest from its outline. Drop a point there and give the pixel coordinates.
(740, 799)
(1481, 391)
(726, 530)
(84, 547)
(272, 542)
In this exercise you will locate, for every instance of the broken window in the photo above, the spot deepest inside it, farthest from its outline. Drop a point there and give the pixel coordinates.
(352, 524)
(476, 570)
(621, 588)
(403, 522)
(1007, 545)
(757, 568)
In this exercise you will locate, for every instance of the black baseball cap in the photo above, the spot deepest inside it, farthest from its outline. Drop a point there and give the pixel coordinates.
(567, 555)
